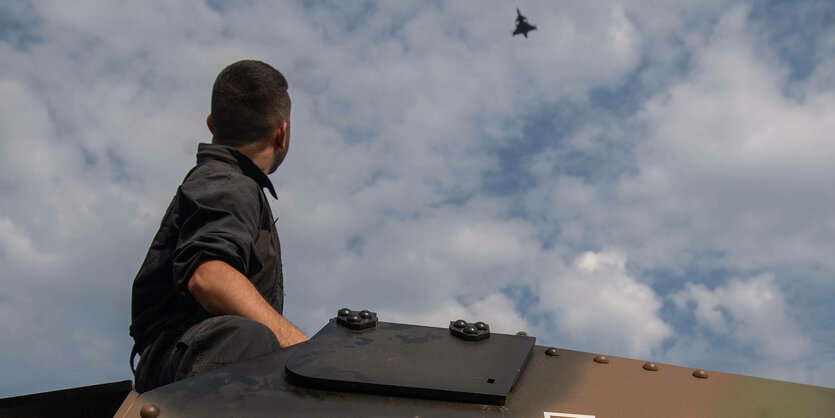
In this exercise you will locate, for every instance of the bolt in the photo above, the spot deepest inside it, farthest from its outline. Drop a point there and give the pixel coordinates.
(552, 351)
(149, 410)
(701, 374)
(470, 330)
(344, 312)
(601, 359)
(522, 334)
(365, 314)
(481, 325)
(460, 323)
(651, 367)
(354, 318)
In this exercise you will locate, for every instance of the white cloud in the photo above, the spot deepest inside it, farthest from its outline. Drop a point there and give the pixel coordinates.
(410, 267)
(17, 247)
(496, 309)
(623, 35)
(751, 312)
(483, 244)
(734, 161)
(602, 308)
(723, 159)
(25, 127)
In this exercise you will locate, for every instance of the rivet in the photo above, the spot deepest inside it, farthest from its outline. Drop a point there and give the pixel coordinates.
(149, 410)
(460, 323)
(701, 374)
(651, 367)
(469, 329)
(365, 314)
(353, 318)
(344, 312)
(481, 325)
(552, 351)
(522, 334)
(601, 359)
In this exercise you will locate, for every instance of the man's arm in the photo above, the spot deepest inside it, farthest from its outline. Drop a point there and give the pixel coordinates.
(222, 290)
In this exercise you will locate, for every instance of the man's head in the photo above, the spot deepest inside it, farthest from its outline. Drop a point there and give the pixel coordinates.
(251, 109)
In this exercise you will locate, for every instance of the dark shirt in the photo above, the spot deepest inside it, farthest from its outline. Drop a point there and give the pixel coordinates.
(220, 212)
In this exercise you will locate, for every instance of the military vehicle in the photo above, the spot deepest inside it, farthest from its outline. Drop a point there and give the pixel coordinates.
(358, 366)
(522, 25)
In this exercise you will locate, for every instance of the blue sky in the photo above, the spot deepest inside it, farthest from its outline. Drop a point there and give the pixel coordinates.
(640, 179)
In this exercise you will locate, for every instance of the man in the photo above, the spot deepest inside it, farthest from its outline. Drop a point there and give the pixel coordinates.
(210, 291)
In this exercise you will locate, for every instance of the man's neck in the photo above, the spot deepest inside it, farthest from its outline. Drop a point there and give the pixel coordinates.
(260, 153)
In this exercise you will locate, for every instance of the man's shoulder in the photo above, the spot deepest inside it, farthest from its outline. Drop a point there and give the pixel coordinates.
(220, 174)
(220, 183)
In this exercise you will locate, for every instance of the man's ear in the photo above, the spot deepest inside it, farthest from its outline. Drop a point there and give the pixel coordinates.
(210, 124)
(281, 136)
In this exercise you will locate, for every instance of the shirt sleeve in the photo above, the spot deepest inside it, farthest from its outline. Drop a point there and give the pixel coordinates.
(219, 220)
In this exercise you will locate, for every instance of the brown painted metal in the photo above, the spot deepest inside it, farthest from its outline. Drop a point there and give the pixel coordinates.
(571, 383)
(122, 412)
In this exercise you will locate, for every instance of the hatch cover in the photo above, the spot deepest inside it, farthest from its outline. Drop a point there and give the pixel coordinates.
(412, 361)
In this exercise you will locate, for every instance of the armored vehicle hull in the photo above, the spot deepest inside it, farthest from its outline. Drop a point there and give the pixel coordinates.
(397, 370)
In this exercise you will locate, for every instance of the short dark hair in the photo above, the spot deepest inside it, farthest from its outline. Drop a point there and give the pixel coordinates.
(249, 99)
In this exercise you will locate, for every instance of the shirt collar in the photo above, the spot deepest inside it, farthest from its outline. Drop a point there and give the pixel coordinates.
(236, 158)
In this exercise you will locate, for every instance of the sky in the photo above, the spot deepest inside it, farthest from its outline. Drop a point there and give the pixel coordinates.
(643, 179)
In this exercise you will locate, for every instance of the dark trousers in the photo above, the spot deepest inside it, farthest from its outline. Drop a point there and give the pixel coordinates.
(208, 345)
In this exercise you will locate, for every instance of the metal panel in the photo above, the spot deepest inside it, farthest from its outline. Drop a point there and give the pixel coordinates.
(410, 360)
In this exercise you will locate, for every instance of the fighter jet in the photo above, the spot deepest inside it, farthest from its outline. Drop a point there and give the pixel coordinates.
(522, 25)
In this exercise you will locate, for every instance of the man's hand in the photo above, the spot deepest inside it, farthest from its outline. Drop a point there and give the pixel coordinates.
(222, 290)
